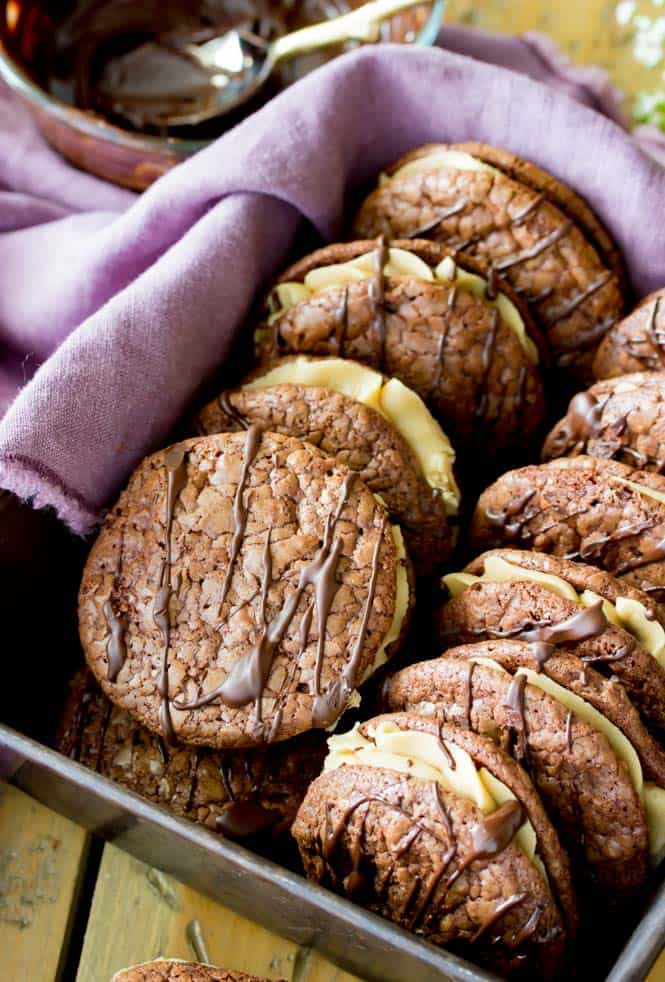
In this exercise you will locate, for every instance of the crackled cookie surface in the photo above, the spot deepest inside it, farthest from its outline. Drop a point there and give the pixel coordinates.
(530, 612)
(429, 858)
(636, 343)
(376, 427)
(238, 793)
(240, 590)
(618, 418)
(500, 210)
(466, 346)
(174, 970)
(584, 783)
(601, 512)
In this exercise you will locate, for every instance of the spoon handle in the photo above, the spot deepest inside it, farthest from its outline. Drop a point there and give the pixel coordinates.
(361, 24)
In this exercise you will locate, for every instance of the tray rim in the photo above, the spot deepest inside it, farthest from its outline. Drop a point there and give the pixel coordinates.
(36, 762)
(37, 769)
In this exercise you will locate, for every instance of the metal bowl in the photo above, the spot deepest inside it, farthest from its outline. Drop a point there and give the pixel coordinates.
(110, 151)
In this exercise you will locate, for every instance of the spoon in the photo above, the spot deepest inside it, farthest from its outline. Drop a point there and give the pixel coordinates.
(230, 69)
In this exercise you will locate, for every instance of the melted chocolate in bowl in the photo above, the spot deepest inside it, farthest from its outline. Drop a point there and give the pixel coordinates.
(124, 60)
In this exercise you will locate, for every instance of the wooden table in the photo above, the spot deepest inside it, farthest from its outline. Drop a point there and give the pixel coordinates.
(73, 908)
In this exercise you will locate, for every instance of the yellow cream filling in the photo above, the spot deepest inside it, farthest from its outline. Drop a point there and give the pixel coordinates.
(402, 407)
(421, 755)
(399, 613)
(454, 159)
(652, 796)
(641, 489)
(626, 612)
(401, 603)
(448, 270)
(401, 263)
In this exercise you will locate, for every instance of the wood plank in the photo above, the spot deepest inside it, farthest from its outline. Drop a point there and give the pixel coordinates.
(42, 858)
(657, 973)
(139, 913)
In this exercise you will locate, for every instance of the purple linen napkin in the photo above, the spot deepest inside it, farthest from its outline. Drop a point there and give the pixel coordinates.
(128, 303)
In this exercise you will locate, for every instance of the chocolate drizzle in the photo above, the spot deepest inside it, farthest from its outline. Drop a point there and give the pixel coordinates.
(377, 294)
(503, 518)
(246, 682)
(252, 443)
(520, 395)
(571, 305)
(486, 362)
(495, 832)
(176, 475)
(327, 708)
(342, 322)
(468, 692)
(656, 333)
(443, 337)
(586, 623)
(227, 407)
(542, 651)
(654, 555)
(528, 209)
(583, 421)
(514, 701)
(434, 223)
(528, 929)
(116, 649)
(535, 250)
(499, 911)
(594, 547)
(490, 836)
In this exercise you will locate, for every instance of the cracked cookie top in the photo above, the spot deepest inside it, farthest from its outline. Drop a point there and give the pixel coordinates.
(240, 590)
(501, 210)
(462, 341)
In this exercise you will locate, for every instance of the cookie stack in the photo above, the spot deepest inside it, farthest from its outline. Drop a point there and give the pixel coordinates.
(251, 580)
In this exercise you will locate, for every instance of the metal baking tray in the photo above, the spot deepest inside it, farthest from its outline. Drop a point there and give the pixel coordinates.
(40, 566)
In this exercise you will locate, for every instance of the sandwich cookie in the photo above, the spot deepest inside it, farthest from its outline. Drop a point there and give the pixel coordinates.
(438, 830)
(585, 769)
(523, 608)
(466, 345)
(175, 970)
(377, 427)
(636, 343)
(240, 591)
(598, 511)
(238, 793)
(506, 212)
(618, 418)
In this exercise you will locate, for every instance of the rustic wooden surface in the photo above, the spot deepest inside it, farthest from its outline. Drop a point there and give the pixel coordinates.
(52, 929)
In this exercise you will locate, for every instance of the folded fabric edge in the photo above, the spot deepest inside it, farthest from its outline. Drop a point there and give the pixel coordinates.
(38, 486)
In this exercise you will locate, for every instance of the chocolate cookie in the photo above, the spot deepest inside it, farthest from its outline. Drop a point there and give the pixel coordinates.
(624, 606)
(439, 831)
(465, 345)
(535, 232)
(528, 611)
(376, 427)
(174, 970)
(592, 792)
(636, 343)
(619, 418)
(598, 511)
(239, 793)
(241, 589)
